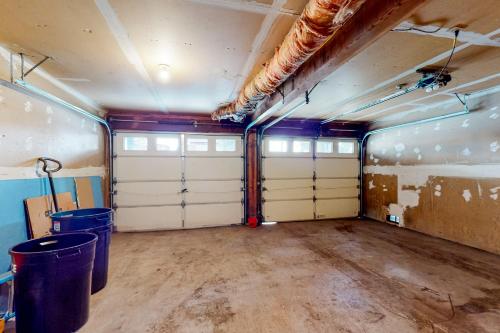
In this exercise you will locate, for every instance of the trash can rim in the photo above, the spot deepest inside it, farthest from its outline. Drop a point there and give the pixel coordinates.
(65, 214)
(94, 239)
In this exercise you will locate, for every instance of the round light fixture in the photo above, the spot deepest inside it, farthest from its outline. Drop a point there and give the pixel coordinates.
(164, 74)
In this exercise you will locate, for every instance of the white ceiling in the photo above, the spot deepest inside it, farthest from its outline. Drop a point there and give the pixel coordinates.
(110, 50)
(106, 53)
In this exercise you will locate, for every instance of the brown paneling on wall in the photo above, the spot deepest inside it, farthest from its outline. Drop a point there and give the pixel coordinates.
(441, 178)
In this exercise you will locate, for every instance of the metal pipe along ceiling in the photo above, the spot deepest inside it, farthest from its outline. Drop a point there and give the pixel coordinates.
(318, 22)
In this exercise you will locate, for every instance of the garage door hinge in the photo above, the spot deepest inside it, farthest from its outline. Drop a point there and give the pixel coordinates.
(115, 155)
(115, 181)
(314, 199)
(115, 206)
(115, 192)
(183, 204)
(184, 190)
(314, 175)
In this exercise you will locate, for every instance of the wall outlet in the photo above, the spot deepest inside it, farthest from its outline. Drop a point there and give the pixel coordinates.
(392, 219)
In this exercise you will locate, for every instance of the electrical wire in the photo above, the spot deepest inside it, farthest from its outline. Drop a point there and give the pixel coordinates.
(448, 61)
(451, 54)
(418, 29)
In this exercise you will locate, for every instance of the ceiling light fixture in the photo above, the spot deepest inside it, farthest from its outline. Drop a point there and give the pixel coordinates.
(164, 73)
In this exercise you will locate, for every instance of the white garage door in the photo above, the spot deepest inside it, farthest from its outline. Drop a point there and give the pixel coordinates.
(307, 179)
(174, 181)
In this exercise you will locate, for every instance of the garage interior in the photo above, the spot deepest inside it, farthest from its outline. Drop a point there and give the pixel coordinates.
(271, 165)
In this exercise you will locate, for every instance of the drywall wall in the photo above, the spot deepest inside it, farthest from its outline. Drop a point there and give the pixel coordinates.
(441, 178)
(31, 128)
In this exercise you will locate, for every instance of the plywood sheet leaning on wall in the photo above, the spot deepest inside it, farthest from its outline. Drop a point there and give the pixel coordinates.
(84, 193)
(38, 210)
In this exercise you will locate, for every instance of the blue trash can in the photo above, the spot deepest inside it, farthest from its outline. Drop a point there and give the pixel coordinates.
(95, 220)
(52, 282)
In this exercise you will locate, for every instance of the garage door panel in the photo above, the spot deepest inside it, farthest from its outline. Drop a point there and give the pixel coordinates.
(288, 189)
(148, 168)
(295, 210)
(213, 191)
(148, 218)
(283, 167)
(148, 193)
(198, 216)
(337, 208)
(336, 168)
(213, 168)
(335, 188)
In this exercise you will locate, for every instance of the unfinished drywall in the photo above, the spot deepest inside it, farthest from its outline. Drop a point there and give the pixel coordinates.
(31, 128)
(441, 178)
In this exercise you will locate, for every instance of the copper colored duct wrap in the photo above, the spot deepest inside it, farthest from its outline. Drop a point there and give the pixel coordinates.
(317, 23)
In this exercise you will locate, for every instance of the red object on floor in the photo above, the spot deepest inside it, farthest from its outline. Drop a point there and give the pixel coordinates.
(252, 222)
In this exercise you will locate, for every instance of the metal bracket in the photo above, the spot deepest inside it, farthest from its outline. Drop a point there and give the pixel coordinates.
(282, 94)
(34, 66)
(183, 204)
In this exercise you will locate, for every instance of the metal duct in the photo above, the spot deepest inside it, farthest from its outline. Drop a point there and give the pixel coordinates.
(317, 23)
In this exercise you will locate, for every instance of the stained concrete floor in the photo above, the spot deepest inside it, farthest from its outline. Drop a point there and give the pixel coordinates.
(334, 276)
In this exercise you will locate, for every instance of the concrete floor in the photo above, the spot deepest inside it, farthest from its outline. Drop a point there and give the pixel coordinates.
(334, 276)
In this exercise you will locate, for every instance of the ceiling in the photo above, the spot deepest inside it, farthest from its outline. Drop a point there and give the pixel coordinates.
(106, 54)
(110, 50)
(393, 60)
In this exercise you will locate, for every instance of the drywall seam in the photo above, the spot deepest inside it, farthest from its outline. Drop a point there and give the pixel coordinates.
(122, 38)
(403, 75)
(259, 39)
(444, 92)
(4, 53)
(417, 174)
(9, 173)
(247, 6)
(465, 36)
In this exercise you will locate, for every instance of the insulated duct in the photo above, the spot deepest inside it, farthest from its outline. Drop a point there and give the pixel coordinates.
(318, 22)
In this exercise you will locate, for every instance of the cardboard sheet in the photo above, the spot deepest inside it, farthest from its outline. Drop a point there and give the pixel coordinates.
(38, 212)
(84, 193)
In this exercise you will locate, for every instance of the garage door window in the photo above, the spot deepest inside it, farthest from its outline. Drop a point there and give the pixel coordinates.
(346, 147)
(225, 145)
(278, 146)
(324, 147)
(197, 144)
(167, 144)
(135, 143)
(300, 146)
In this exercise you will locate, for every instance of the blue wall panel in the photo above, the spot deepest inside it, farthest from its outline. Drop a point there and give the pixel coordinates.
(13, 228)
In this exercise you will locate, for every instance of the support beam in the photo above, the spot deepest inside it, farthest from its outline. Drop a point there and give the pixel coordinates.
(370, 23)
(137, 120)
(252, 181)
